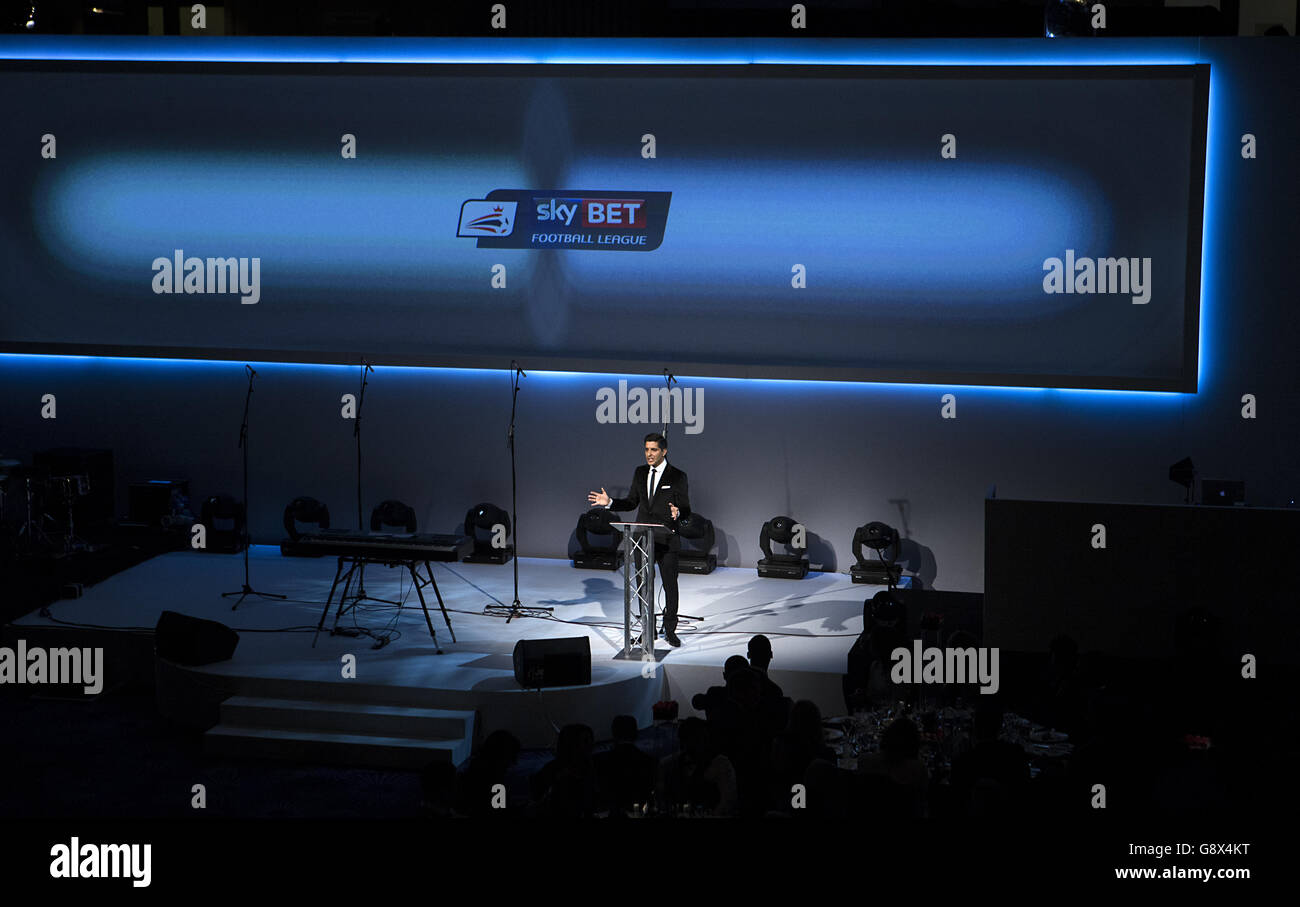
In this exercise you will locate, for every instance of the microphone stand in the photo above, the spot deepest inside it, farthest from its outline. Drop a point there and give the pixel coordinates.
(366, 369)
(669, 381)
(515, 609)
(247, 589)
(680, 615)
(356, 433)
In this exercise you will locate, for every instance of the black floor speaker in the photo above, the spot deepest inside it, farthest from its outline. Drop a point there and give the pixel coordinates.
(553, 662)
(189, 640)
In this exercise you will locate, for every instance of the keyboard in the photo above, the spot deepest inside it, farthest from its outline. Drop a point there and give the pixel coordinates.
(427, 546)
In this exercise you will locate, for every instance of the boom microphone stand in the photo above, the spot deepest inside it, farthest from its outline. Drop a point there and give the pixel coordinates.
(515, 609)
(247, 589)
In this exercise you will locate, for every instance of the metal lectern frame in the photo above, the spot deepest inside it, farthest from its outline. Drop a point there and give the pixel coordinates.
(638, 585)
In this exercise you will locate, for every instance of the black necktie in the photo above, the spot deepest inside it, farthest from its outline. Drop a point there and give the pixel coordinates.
(654, 482)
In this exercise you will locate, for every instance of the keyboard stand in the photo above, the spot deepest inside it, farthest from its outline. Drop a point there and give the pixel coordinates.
(411, 564)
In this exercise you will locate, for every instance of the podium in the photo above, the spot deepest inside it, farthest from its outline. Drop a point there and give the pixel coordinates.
(638, 588)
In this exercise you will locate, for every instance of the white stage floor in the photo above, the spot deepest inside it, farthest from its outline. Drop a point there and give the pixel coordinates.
(812, 623)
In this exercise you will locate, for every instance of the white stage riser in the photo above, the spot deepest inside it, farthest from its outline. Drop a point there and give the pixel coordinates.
(336, 749)
(360, 718)
(193, 698)
(811, 623)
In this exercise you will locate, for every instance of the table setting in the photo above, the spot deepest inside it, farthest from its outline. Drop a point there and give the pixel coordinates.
(945, 734)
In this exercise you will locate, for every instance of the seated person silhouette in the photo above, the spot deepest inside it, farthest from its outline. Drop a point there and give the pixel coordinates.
(625, 775)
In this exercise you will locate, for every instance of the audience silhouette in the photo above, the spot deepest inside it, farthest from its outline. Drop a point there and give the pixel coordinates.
(795, 749)
(625, 776)
(884, 629)
(697, 777)
(756, 753)
(990, 778)
(566, 786)
(488, 768)
(899, 763)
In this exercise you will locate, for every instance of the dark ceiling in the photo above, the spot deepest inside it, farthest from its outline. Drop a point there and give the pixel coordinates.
(619, 18)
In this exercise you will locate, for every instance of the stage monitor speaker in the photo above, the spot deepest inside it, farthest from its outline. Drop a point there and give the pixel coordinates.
(192, 640)
(553, 662)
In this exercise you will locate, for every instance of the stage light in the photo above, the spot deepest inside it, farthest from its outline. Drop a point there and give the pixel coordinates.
(395, 514)
(608, 556)
(223, 521)
(696, 554)
(886, 609)
(883, 539)
(489, 526)
(305, 510)
(316, 516)
(791, 565)
(1184, 474)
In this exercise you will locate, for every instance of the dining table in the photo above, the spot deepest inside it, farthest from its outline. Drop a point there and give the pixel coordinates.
(946, 733)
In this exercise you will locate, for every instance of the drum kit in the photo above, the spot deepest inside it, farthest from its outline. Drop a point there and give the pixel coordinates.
(31, 493)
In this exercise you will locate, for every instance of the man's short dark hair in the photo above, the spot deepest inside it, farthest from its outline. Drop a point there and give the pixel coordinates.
(760, 645)
(734, 664)
(658, 439)
(624, 728)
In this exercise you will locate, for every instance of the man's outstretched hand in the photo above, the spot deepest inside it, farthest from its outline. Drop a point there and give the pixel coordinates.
(672, 508)
(600, 499)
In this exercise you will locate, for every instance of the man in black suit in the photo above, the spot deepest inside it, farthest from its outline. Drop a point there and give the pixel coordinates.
(659, 494)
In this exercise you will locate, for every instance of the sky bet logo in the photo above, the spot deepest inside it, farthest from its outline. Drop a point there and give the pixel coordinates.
(487, 218)
(566, 219)
(593, 212)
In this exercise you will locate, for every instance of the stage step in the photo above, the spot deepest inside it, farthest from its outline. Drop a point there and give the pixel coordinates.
(380, 736)
(347, 717)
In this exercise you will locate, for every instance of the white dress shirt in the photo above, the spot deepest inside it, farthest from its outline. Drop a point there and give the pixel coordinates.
(653, 476)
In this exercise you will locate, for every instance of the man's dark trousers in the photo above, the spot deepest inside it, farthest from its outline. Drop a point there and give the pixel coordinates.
(666, 564)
